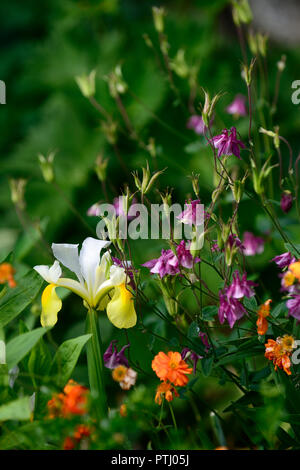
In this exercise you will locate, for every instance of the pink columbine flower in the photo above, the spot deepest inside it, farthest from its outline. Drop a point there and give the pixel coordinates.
(252, 245)
(196, 123)
(188, 353)
(238, 107)
(94, 210)
(193, 213)
(169, 263)
(286, 201)
(227, 143)
(240, 287)
(231, 307)
(284, 260)
(119, 208)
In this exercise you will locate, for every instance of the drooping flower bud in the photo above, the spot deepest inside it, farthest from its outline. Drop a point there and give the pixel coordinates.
(158, 17)
(46, 166)
(100, 167)
(17, 189)
(286, 201)
(86, 84)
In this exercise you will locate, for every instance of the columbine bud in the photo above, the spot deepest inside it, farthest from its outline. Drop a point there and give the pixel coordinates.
(179, 65)
(17, 190)
(116, 83)
(86, 84)
(262, 44)
(100, 168)
(241, 12)
(46, 166)
(110, 131)
(237, 190)
(158, 17)
(281, 63)
(208, 107)
(286, 201)
(274, 135)
(195, 184)
(146, 184)
(247, 72)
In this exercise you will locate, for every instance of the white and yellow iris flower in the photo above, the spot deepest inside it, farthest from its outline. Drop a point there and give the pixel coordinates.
(100, 284)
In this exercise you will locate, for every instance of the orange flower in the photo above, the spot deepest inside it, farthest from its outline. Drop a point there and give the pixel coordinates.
(81, 431)
(123, 410)
(75, 400)
(7, 274)
(279, 352)
(171, 367)
(69, 443)
(263, 312)
(295, 269)
(166, 390)
(119, 373)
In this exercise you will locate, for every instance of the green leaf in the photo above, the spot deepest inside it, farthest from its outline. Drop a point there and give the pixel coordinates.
(19, 346)
(207, 363)
(16, 300)
(19, 409)
(294, 249)
(209, 312)
(194, 330)
(39, 362)
(66, 358)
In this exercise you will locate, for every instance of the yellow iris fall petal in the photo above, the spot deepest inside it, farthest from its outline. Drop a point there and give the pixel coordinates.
(120, 310)
(51, 305)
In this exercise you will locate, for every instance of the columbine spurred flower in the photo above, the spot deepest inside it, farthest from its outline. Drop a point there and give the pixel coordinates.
(96, 279)
(227, 143)
(230, 307)
(112, 358)
(169, 263)
(7, 274)
(188, 353)
(196, 123)
(293, 304)
(284, 260)
(252, 245)
(171, 367)
(286, 201)
(193, 213)
(237, 107)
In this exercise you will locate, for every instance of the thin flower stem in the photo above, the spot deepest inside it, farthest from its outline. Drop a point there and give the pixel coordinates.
(96, 365)
(173, 415)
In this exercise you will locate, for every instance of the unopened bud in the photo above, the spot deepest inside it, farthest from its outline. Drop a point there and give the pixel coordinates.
(46, 166)
(241, 12)
(179, 65)
(86, 84)
(100, 168)
(17, 190)
(116, 83)
(158, 18)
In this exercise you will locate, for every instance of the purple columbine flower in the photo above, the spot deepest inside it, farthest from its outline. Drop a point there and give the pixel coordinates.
(238, 106)
(167, 263)
(193, 213)
(204, 339)
(194, 357)
(284, 260)
(240, 287)
(184, 256)
(230, 309)
(112, 358)
(119, 208)
(227, 143)
(293, 305)
(252, 245)
(196, 123)
(286, 201)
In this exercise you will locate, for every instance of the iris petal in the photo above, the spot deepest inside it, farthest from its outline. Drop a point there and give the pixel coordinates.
(51, 305)
(120, 310)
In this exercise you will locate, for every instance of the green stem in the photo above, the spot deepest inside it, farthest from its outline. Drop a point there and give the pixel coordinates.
(96, 365)
(173, 416)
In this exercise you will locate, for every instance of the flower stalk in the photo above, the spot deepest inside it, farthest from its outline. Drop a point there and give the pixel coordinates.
(96, 365)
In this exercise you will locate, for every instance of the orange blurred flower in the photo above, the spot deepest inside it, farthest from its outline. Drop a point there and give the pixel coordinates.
(295, 269)
(263, 312)
(74, 400)
(165, 390)
(7, 274)
(123, 410)
(81, 431)
(279, 352)
(125, 376)
(119, 373)
(171, 367)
